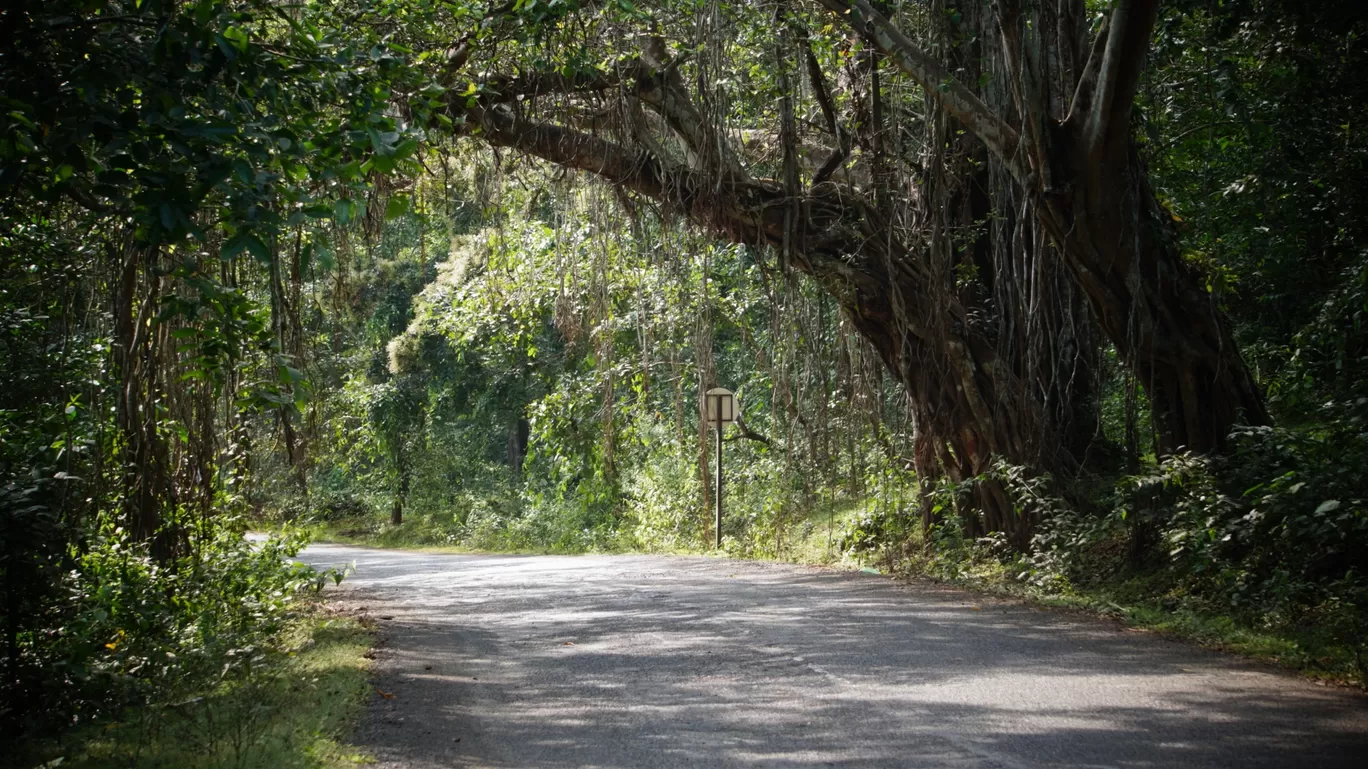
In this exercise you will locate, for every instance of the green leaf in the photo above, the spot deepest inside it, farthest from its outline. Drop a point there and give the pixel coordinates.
(397, 206)
(406, 147)
(1327, 506)
(380, 164)
(246, 241)
(237, 37)
(344, 211)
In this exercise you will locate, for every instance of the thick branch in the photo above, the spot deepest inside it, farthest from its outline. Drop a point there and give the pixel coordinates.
(1087, 80)
(822, 93)
(1023, 69)
(664, 92)
(1128, 40)
(631, 169)
(958, 100)
(839, 226)
(538, 83)
(823, 96)
(656, 84)
(746, 432)
(743, 210)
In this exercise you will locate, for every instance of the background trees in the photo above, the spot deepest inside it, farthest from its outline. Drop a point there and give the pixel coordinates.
(167, 170)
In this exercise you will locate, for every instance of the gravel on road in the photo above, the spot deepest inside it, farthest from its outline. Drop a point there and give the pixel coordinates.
(661, 662)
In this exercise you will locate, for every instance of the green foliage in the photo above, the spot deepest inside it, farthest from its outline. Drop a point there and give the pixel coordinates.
(1269, 533)
(131, 632)
(662, 493)
(1271, 537)
(292, 711)
(546, 380)
(152, 109)
(1257, 123)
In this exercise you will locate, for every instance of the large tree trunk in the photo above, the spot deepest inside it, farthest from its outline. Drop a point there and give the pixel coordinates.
(1123, 252)
(1077, 169)
(147, 489)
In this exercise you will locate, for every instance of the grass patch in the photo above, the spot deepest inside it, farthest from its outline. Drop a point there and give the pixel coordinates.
(1312, 650)
(1141, 601)
(291, 711)
(417, 535)
(370, 532)
(820, 538)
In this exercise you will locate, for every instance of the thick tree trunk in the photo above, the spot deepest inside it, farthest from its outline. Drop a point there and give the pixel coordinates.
(403, 476)
(1076, 165)
(147, 490)
(519, 430)
(1121, 247)
(284, 323)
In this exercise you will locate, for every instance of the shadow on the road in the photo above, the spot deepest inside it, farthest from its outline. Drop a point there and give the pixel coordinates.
(672, 662)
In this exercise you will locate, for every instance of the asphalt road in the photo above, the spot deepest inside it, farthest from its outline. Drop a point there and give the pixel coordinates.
(643, 661)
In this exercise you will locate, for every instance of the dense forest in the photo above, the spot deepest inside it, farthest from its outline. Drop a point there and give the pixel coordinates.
(1063, 295)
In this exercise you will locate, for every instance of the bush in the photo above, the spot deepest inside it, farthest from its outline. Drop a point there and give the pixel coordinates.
(1274, 535)
(341, 507)
(133, 631)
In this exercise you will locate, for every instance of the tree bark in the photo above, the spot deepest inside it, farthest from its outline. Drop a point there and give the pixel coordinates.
(147, 489)
(403, 477)
(1076, 164)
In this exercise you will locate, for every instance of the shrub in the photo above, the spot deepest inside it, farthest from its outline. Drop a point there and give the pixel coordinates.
(133, 631)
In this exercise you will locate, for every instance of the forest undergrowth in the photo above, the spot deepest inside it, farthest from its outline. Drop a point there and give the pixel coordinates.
(296, 708)
(225, 659)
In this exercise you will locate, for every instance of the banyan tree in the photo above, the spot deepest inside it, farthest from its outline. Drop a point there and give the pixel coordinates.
(961, 176)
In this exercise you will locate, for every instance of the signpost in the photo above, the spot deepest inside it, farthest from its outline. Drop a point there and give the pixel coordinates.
(720, 408)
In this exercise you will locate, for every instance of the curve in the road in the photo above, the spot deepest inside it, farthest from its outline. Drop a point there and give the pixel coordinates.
(645, 661)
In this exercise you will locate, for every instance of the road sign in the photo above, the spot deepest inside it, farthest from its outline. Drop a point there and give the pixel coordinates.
(720, 409)
(720, 406)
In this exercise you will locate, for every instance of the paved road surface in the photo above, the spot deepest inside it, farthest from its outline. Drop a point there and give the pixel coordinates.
(643, 661)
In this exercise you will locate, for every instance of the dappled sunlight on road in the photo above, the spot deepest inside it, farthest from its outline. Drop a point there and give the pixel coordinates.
(643, 661)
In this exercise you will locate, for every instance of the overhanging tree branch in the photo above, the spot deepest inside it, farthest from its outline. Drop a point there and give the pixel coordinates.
(744, 210)
(957, 99)
(822, 94)
(1127, 41)
(654, 81)
(663, 90)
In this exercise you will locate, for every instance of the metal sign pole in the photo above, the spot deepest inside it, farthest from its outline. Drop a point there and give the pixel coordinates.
(719, 408)
(717, 522)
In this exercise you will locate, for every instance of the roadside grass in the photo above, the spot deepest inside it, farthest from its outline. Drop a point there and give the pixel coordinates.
(818, 539)
(1143, 601)
(370, 532)
(420, 535)
(426, 535)
(1314, 651)
(292, 712)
